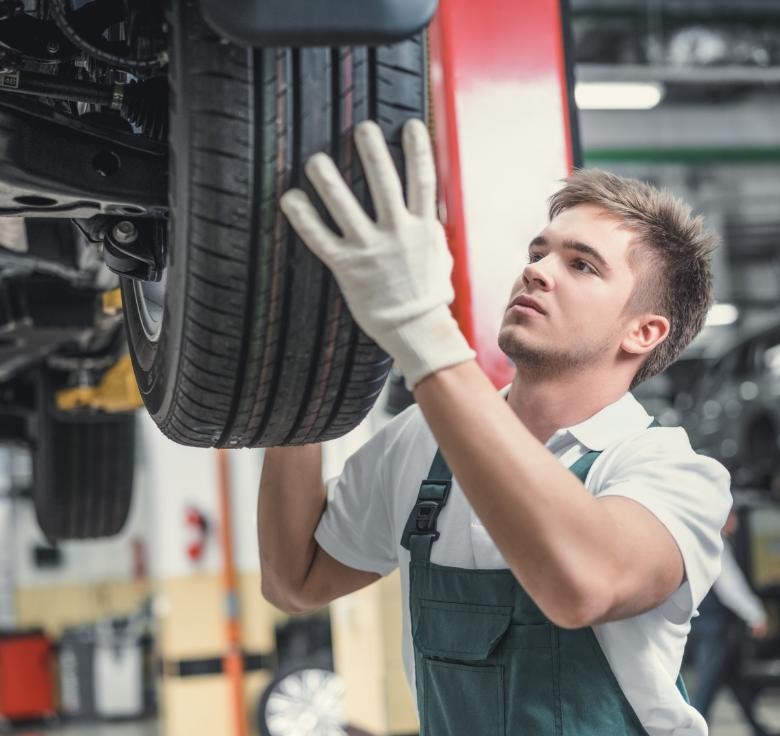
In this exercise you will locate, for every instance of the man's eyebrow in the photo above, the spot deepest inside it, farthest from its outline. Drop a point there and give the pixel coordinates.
(575, 245)
(588, 250)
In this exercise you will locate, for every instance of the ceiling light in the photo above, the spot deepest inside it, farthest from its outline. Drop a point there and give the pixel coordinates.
(618, 95)
(721, 314)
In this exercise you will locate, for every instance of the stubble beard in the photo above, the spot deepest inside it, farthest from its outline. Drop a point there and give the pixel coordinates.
(544, 362)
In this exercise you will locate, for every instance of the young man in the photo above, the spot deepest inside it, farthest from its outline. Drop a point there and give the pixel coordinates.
(548, 590)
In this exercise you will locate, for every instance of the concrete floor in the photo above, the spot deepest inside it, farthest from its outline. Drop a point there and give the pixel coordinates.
(133, 728)
(727, 721)
(727, 717)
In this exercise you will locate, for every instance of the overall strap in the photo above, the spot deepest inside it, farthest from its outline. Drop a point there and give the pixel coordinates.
(582, 466)
(420, 530)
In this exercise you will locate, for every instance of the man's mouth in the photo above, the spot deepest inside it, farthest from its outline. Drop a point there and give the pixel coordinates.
(526, 303)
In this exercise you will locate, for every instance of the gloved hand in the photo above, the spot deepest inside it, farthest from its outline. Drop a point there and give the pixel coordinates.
(395, 272)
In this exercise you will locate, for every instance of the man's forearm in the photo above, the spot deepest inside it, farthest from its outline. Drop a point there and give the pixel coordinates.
(291, 501)
(548, 528)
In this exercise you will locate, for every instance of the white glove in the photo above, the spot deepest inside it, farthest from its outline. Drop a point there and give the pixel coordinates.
(395, 272)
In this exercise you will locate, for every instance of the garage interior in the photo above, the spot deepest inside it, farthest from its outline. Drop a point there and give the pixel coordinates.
(161, 630)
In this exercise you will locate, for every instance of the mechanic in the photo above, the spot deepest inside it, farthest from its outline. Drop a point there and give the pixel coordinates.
(550, 589)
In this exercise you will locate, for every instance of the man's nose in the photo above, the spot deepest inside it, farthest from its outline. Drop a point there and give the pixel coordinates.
(539, 274)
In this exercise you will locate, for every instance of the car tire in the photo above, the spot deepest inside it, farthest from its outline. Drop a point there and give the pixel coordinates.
(83, 471)
(253, 345)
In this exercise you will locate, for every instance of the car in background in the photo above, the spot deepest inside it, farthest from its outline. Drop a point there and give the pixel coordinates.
(732, 411)
(660, 394)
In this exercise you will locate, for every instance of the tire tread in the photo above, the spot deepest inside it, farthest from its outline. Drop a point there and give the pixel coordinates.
(271, 354)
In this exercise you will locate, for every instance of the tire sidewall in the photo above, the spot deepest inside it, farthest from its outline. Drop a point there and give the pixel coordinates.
(156, 364)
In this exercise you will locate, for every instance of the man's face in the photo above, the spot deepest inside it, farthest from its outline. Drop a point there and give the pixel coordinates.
(579, 277)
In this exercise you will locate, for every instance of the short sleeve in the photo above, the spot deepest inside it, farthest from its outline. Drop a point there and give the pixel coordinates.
(355, 527)
(689, 493)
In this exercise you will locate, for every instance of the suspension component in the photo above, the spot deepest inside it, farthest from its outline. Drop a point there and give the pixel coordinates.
(60, 11)
(46, 85)
(142, 103)
(10, 8)
(145, 105)
(136, 249)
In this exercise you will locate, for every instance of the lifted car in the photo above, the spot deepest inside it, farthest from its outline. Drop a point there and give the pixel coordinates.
(156, 138)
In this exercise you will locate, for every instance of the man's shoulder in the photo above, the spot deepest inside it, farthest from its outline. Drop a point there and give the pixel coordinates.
(658, 451)
(653, 438)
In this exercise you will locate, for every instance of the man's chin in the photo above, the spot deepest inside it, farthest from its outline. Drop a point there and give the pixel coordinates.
(517, 349)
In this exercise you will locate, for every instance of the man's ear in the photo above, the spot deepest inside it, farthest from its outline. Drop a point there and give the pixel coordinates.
(645, 333)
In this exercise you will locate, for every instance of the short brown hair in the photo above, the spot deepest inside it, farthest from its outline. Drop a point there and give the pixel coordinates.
(673, 247)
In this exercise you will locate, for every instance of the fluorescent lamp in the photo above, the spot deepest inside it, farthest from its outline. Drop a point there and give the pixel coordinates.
(618, 95)
(721, 314)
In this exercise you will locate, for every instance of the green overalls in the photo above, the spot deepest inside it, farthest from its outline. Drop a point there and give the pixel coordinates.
(488, 662)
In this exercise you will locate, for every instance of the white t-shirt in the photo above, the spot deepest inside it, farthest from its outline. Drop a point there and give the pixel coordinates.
(369, 503)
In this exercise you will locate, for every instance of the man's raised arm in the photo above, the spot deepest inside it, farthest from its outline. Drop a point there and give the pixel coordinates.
(297, 575)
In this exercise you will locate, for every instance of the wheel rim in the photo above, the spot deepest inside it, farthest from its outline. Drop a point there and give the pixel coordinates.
(306, 703)
(150, 300)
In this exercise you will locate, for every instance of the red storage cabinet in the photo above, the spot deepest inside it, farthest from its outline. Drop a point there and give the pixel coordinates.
(26, 682)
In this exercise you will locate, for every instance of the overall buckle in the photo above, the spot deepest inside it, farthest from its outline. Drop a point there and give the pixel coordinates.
(425, 515)
(422, 520)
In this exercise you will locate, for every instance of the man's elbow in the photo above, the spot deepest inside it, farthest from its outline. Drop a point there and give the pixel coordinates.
(285, 600)
(573, 617)
(579, 609)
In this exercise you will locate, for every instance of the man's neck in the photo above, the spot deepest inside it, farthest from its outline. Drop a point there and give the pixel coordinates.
(547, 404)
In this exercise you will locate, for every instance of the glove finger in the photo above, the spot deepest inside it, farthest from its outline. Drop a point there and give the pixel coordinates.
(420, 169)
(383, 180)
(306, 221)
(447, 264)
(340, 201)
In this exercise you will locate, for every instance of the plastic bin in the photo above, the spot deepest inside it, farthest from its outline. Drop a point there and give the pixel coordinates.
(26, 682)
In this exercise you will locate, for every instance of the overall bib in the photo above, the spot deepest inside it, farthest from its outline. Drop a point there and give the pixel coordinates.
(487, 660)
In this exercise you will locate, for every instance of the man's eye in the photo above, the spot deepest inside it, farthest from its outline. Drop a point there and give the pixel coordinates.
(534, 257)
(583, 266)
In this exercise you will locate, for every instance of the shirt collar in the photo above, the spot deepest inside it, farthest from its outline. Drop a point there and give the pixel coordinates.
(613, 422)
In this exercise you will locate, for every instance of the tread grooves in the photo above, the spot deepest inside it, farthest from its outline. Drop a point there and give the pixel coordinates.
(83, 471)
(292, 133)
(322, 312)
(275, 355)
(218, 254)
(372, 87)
(220, 152)
(254, 250)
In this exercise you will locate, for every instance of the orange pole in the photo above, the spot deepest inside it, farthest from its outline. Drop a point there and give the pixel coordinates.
(233, 661)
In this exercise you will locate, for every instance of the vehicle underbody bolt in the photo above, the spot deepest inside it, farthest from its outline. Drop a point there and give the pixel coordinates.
(125, 232)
